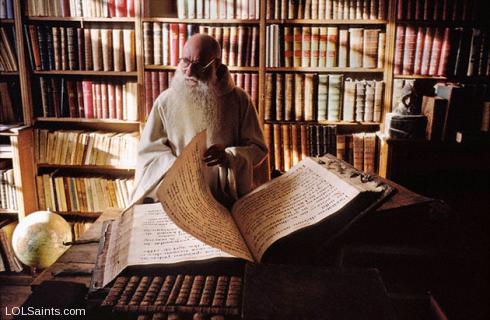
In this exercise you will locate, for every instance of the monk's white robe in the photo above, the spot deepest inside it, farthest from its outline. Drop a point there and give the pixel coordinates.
(163, 140)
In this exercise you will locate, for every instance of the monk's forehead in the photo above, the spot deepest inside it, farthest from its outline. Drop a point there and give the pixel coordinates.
(198, 49)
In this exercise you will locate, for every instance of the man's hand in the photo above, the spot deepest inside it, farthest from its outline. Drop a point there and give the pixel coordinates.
(215, 155)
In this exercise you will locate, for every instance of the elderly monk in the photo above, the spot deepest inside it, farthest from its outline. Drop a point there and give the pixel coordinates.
(202, 95)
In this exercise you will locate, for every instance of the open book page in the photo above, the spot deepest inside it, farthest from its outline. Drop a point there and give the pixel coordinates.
(152, 238)
(186, 198)
(305, 195)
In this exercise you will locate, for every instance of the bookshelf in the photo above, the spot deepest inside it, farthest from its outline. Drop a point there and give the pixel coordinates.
(148, 13)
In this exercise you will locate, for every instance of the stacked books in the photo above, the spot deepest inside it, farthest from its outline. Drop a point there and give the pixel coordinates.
(8, 260)
(330, 47)
(8, 55)
(8, 192)
(86, 148)
(79, 8)
(164, 42)
(87, 99)
(218, 9)
(10, 106)
(359, 149)
(313, 97)
(329, 9)
(72, 48)
(438, 10)
(158, 81)
(82, 194)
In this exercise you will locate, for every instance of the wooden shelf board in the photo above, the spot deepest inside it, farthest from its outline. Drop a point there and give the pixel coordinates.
(340, 123)
(327, 21)
(78, 214)
(417, 76)
(201, 21)
(88, 73)
(9, 73)
(446, 23)
(85, 120)
(86, 167)
(6, 155)
(168, 68)
(323, 69)
(8, 212)
(7, 21)
(80, 19)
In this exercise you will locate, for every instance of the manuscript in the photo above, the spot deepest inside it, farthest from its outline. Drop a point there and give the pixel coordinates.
(317, 197)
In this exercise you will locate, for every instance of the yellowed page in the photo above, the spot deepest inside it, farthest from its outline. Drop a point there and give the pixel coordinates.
(146, 235)
(186, 198)
(303, 196)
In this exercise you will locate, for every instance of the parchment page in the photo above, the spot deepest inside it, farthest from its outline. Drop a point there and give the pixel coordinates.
(186, 198)
(146, 235)
(156, 239)
(303, 196)
(118, 250)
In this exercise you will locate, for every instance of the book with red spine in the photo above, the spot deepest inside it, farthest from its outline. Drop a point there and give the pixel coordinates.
(163, 80)
(111, 8)
(81, 49)
(426, 53)
(409, 49)
(130, 10)
(419, 48)
(400, 41)
(242, 45)
(435, 54)
(119, 101)
(182, 38)
(97, 100)
(121, 8)
(445, 52)
(111, 100)
(155, 85)
(148, 92)
(88, 105)
(174, 44)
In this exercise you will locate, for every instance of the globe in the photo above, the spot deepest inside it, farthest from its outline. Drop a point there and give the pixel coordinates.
(38, 239)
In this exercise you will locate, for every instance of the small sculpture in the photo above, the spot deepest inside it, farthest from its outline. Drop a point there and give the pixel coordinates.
(407, 102)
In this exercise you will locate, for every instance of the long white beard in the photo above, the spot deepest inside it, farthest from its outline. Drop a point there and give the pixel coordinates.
(194, 108)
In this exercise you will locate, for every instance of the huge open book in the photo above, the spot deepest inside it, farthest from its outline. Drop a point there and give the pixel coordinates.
(280, 221)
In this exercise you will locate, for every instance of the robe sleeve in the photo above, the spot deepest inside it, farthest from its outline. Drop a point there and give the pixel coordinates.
(155, 157)
(250, 151)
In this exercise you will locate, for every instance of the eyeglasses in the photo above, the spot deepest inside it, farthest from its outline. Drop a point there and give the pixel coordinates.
(186, 63)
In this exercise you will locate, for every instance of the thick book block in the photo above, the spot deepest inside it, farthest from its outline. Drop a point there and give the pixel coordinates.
(434, 108)
(355, 49)
(409, 49)
(332, 39)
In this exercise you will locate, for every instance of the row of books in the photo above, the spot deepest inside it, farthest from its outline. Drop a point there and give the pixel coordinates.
(289, 143)
(218, 9)
(10, 106)
(7, 9)
(8, 193)
(71, 48)
(326, 9)
(8, 56)
(8, 260)
(436, 10)
(78, 228)
(81, 8)
(164, 42)
(82, 194)
(324, 47)
(312, 97)
(86, 148)
(87, 99)
(441, 51)
(158, 81)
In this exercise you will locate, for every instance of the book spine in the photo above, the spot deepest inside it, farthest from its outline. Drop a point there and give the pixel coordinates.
(360, 100)
(309, 112)
(400, 40)
(279, 103)
(355, 48)
(286, 146)
(299, 97)
(429, 32)
(370, 48)
(409, 50)
(332, 38)
(322, 97)
(349, 100)
(334, 97)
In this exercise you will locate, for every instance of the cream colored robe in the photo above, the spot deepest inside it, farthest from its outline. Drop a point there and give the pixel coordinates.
(161, 142)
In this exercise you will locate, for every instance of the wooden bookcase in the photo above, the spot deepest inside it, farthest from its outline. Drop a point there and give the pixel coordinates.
(166, 12)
